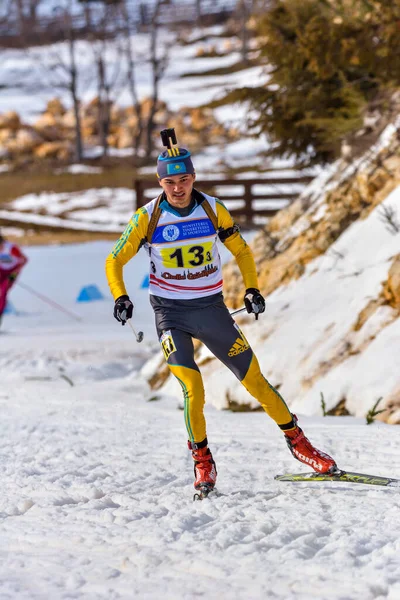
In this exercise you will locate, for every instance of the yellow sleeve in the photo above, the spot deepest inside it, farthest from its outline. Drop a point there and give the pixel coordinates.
(125, 248)
(238, 247)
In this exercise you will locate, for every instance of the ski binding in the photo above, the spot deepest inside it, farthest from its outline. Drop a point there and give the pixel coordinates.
(202, 492)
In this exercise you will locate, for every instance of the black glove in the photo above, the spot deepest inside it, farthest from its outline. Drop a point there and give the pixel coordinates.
(123, 309)
(254, 302)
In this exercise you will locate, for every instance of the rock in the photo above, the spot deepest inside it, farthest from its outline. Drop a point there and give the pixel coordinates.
(131, 123)
(130, 111)
(5, 135)
(46, 120)
(25, 141)
(201, 119)
(55, 108)
(392, 405)
(195, 128)
(89, 126)
(49, 127)
(146, 105)
(112, 140)
(92, 108)
(68, 119)
(228, 45)
(286, 217)
(378, 180)
(57, 150)
(161, 117)
(367, 312)
(118, 114)
(10, 120)
(124, 138)
(391, 289)
(392, 164)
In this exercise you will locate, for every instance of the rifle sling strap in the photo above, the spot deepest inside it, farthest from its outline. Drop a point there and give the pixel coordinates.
(210, 213)
(155, 217)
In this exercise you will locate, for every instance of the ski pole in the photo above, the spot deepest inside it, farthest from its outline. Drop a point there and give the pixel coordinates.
(239, 310)
(49, 301)
(139, 336)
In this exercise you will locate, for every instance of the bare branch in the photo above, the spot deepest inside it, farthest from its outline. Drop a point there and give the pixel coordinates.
(389, 217)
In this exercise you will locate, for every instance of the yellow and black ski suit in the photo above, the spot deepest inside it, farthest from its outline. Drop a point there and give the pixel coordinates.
(179, 262)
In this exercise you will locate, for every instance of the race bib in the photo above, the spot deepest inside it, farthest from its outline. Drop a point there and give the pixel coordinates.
(187, 257)
(167, 344)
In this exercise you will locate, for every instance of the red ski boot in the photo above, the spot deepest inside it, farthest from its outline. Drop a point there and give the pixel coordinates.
(304, 451)
(204, 467)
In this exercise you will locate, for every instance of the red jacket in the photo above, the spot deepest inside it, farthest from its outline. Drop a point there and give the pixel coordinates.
(12, 260)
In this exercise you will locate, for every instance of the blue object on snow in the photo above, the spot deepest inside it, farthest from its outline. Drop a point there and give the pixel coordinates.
(145, 282)
(89, 293)
(9, 309)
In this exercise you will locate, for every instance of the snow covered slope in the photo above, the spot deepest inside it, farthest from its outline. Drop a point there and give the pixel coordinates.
(97, 491)
(96, 479)
(311, 322)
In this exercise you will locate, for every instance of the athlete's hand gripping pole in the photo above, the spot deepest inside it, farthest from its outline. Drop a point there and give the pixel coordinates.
(123, 309)
(254, 302)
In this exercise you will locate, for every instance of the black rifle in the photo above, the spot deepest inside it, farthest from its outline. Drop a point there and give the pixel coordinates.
(168, 137)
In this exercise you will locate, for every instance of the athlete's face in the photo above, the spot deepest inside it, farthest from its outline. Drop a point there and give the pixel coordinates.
(178, 189)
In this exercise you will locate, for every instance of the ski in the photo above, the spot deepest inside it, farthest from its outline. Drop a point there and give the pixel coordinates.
(346, 476)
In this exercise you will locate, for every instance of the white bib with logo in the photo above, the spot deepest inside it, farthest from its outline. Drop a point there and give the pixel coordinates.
(184, 257)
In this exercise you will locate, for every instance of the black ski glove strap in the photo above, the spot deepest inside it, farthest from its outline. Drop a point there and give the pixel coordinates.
(254, 302)
(123, 309)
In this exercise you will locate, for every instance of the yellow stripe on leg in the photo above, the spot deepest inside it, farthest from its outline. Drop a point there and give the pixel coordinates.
(269, 398)
(193, 394)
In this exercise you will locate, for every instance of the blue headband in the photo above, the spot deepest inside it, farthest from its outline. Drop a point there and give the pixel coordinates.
(176, 161)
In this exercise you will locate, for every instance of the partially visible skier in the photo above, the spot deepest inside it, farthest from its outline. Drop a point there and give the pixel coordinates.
(12, 261)
(179, 230)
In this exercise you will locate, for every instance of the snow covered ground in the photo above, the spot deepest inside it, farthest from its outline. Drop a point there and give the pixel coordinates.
(97, 481)
(31, 78)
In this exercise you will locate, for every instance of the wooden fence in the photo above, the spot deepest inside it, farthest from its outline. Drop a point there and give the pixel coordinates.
(241, 199)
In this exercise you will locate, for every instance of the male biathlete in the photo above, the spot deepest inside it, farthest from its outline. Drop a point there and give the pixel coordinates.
(179, 231)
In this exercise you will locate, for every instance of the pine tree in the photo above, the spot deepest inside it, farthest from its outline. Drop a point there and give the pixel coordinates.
(325, 62)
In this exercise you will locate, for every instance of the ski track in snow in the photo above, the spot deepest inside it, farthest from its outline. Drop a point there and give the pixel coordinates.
(97, 503)
(97, 481)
